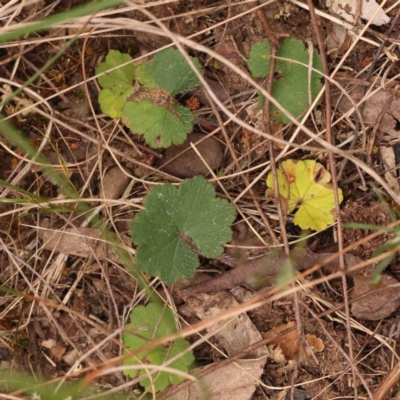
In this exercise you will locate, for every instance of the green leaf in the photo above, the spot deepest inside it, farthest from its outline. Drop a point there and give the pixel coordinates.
(111, 103)
(176, 219)
(304, 185)
(37, 388)
(116, 84)
(149, 323)
(160, 125)
(260, 55)
(119, 80)
(291, 88)
(285, 274)
(169, 71)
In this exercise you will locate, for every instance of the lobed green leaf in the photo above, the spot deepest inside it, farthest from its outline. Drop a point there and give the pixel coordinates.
(169, 71)
(119, 80)
(178, 222)
(111, 103)
(160, 126)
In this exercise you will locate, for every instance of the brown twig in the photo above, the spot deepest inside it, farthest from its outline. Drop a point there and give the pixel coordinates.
(390, 380)
(267, 27)
(243, 176)
(329, 139)
(274, 45)
(266, 268)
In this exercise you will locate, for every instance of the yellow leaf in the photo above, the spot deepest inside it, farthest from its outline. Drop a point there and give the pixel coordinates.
(304, 185)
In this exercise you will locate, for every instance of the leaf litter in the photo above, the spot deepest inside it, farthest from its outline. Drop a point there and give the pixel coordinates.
(278, 310)
(370, 10)
(236, 380)
(371, 105)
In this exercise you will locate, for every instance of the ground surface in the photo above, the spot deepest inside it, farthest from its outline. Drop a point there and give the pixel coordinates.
(113, 170)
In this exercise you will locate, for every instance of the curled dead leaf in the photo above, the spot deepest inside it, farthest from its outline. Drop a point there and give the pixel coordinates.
(57, 352)
(288, 347)
(369, 9)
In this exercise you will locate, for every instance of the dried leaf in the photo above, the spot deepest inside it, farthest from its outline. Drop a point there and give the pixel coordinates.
(71, 357)
(78, 242)
(57, 352)
(316, 344)
(235, 381)
(114, 183)
(338, 39)
(372, 107)
(347, 9)
(48, 344)
(389, 162)
(287, 347)
(378, 301)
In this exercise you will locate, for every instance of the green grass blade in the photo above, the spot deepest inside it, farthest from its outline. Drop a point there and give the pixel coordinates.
(16, 137)
(40, 71)
(77, 12)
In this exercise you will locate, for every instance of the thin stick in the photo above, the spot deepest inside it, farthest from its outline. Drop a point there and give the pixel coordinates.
(243, 176)
(330, 140)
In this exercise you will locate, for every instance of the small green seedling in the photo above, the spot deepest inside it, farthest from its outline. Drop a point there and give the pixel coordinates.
(177, 225)
(304, 185)
(148, 106)
(149, 323)
(295, 87)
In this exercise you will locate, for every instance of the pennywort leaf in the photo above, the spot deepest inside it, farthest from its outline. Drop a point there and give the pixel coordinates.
(117, 84)
(119, 80)
(148, 323)
(112, 103)
(293, 87)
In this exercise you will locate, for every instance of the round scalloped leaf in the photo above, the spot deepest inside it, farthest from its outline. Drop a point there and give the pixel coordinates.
(169, 71)
(309, 192)
(148, 323)
(111, 103)
(291, 88)
(259, 59)
(177, 221)
(119, 80)
(160, 126)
